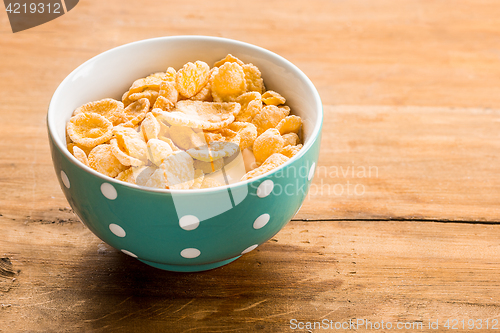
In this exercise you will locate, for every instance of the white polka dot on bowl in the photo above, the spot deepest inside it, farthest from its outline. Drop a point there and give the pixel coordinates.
(189, 222)
(117, 230)
(250, 248)
(129, 253)
(261, 221)
(65, 179)
(109, 191)
(311, 171)
(190, 253)
(265, 188)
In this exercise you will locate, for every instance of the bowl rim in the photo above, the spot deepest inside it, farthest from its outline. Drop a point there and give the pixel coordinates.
(313, 137)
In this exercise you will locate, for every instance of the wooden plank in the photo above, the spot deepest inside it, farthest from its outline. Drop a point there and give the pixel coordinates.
(433, 164)
(407, 163)
(433, 59)
(392, 271)
(359, 52)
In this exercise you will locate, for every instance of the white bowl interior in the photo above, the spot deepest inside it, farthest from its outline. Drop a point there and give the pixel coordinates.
(111, 73)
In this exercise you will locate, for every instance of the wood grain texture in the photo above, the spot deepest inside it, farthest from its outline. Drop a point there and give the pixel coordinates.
(409, 163)
(70, 281)
(356, 52)
(410, 89)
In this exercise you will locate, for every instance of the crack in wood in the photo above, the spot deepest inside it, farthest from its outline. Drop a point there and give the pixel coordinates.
(399, 220)
(6, 268)
(7, 273)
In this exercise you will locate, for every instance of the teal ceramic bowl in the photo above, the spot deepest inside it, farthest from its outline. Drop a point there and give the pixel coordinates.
(183, 230)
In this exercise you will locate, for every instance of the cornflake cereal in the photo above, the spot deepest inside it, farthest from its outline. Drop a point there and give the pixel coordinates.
(266, 144)
(273, 161)
(108, 108)
(269, 117)
(202, 115)
(102, 160)
(178, 129)
(80, 155)
(191, 78)
(228, 83)
(89, 129)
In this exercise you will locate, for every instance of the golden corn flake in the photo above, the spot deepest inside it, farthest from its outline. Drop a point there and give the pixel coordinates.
(272, 98)
(229, 135)
(213, 136)
(125, 98)
(247, 97)
(202, 115)
(228, 83)
(108, 108)
(269, 117)
(163, 104)
(144, 174)
(151, 82)
(135, 112)
(71, 145)
(167, 97)
(191, 78)
(150, 95)
(249, 160)
(89, 129)
(158, 150)
(170, 75)
(272, 162)
(158, 179)
(80, 155)
(170, 143)
(246, 132)
(205, 94)
(126, 176)
(253, 78)
(266, 144)
(186, 138)
(150, 127)
(130, 175)
(102, 160)
(291, 139)
(290, 124)
(178, 170)
(290, 151)
(251, 105)
(173, 128)
(209, 167)
(213, 151)
(120, 153)
(285, 109)
(209, 183)
(198, 179)
(228, 58)
(164, 129)
(131, 141)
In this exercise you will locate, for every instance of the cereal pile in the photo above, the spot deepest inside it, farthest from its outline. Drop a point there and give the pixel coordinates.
(173, 128)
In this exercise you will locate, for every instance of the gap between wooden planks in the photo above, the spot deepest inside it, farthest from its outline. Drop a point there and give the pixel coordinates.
(67, 279)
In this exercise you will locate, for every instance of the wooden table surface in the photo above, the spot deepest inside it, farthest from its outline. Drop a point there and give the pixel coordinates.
(411, 93)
